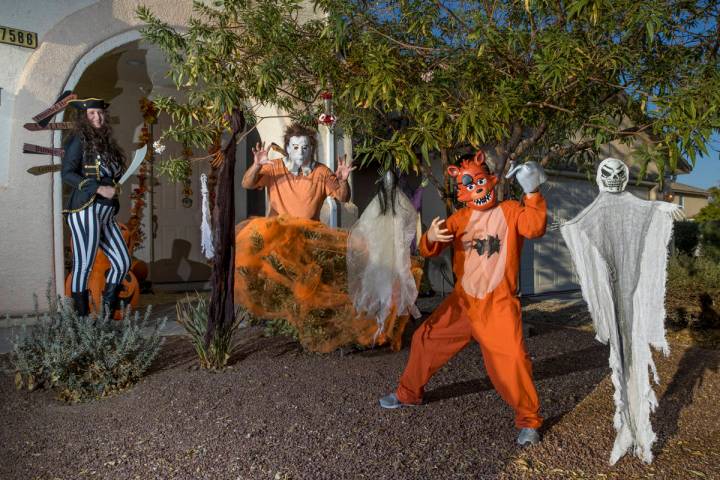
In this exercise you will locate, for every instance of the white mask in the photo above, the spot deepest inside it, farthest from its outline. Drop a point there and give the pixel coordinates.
(612, 175)
(299, 151)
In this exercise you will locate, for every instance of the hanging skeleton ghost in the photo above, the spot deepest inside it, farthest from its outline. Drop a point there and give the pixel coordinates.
(378, 255)
(619, 247)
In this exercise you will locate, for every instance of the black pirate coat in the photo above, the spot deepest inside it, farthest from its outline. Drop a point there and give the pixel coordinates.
(85, 171)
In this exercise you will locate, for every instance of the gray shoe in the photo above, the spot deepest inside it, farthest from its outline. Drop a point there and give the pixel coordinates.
(391, 401)
(528, 435)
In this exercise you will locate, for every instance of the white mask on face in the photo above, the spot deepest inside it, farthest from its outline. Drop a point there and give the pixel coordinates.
(612, 175)
(299, 151)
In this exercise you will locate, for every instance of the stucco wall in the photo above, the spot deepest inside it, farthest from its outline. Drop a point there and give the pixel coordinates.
(692, 204)
(28, 223)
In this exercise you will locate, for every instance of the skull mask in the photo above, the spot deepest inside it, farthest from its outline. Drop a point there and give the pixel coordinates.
(612, 175)
(475, 183)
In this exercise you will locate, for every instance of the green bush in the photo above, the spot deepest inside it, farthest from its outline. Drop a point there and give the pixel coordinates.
(83, 358)
(693, 292)
(687, 236)
(710, 240)
(192, 314)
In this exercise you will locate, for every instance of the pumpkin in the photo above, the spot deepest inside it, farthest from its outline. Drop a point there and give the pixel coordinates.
(130, 293)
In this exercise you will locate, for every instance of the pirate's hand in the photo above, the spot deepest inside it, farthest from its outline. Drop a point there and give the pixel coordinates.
(260, 154)
(106, 191)
(530, 175)
(436, 233)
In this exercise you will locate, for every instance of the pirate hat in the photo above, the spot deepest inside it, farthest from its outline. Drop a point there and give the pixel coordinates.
(85, 103)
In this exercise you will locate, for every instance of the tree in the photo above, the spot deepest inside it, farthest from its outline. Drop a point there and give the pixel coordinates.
(711, 211)
(540, 79)
(222, 70)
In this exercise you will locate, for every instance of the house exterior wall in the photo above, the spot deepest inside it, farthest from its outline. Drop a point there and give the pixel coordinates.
(31, 81)
(692, 204)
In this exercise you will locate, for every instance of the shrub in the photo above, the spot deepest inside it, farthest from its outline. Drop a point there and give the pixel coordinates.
(693, 291)
(192, 314)
(710, 239)
(687, 236)
(83, 358)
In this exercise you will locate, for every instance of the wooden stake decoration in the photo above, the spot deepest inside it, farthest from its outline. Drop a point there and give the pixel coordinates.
(37, 149)
(58, 106)
(36, 127)
(42, 169)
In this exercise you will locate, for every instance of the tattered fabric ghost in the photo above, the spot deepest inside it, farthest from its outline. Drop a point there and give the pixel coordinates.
(619, 247)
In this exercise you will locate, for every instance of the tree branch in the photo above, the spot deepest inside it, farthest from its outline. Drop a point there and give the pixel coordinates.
(548, 105)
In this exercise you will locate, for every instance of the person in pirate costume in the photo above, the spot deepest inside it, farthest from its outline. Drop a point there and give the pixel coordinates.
(92, 164)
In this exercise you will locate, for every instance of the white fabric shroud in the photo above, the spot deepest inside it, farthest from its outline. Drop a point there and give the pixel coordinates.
(206, 243)
(619, 245)
(378, 260)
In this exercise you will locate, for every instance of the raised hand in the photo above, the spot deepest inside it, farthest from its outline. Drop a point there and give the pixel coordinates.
(344, 168)
(436, 233)
(260, 154)
(530, 175)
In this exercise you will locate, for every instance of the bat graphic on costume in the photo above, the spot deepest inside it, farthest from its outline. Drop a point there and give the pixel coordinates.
(486, 246)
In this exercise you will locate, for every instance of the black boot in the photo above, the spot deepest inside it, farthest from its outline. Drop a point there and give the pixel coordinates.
(110, 298)
(82, 303)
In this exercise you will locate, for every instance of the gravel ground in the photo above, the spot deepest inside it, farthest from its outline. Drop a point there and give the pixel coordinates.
(279, 413)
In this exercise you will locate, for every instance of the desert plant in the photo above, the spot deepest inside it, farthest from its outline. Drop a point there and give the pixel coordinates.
(192, 314)
(710, 240)
(83, 358)
(687, 236)
(693, 288)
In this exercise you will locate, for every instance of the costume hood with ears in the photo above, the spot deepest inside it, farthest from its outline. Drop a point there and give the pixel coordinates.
(475, 183)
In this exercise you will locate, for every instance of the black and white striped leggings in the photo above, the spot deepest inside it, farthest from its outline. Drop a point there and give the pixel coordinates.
(93, 227)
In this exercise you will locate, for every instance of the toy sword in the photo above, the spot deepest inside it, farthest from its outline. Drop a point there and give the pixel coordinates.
(137, 160)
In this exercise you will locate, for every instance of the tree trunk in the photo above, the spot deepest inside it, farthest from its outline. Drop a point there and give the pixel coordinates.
(445, 162)
(222, 281)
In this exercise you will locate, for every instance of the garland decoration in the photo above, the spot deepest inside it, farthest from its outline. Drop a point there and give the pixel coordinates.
(137, 236)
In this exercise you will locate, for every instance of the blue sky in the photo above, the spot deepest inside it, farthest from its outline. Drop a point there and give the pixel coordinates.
(706, 173)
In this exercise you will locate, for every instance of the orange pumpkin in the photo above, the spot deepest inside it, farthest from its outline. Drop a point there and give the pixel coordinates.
(130, 293)
(140, 269)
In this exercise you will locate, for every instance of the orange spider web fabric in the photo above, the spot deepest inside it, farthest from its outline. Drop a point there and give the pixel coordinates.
(294, 269)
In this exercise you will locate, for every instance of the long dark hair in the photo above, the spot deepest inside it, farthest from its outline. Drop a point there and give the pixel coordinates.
(387, 199)
(98, 140)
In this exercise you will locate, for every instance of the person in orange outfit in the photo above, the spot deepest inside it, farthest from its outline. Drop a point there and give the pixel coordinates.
(297, 184)
(487, 239)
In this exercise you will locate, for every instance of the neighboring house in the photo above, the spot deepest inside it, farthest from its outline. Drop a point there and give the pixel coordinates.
(692, 199)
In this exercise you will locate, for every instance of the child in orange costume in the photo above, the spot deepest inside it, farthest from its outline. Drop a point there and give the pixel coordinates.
(487, 240)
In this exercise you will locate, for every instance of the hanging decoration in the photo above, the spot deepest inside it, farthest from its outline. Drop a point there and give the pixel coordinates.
(206, 244)
(327, 118)
(137, 236)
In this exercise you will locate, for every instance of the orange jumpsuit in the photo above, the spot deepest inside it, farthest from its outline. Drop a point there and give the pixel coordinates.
(483, 306)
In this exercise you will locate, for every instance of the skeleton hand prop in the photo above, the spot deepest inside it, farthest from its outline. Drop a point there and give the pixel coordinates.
(674, 210)
(437, 234)
(530, 175)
